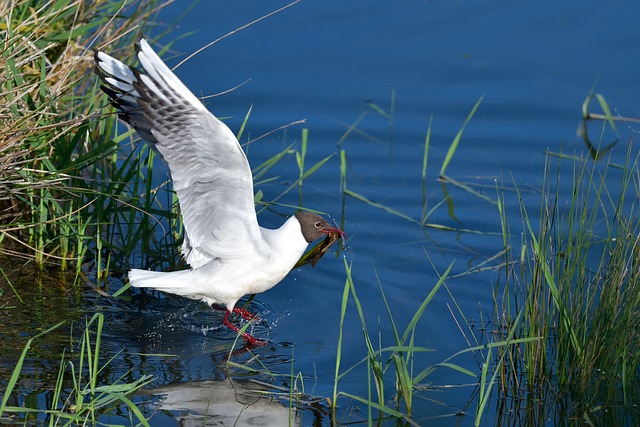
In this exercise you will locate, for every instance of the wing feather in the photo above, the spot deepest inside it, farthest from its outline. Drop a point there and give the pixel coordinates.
(210, 172)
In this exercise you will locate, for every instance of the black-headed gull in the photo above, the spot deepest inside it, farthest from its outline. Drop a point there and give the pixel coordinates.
(229, 253)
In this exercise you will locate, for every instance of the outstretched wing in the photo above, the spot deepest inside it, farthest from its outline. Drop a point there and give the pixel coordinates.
(210, 172)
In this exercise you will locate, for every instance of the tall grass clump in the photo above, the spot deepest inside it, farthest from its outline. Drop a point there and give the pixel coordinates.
(77, 397)
(394, 376)
(61, 182)
(576, 277)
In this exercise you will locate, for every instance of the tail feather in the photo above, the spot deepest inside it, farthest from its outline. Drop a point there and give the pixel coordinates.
(173, 282)
(193, 284)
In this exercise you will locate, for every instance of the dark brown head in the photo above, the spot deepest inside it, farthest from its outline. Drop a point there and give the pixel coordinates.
(314, 226)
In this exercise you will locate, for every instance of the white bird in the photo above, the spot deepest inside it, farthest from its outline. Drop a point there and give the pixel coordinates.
(230, 255)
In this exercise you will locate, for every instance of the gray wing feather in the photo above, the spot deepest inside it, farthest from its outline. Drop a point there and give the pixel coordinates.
(210, 172)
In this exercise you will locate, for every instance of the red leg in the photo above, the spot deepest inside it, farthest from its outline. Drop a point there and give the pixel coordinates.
(250, 339)
(245, 313)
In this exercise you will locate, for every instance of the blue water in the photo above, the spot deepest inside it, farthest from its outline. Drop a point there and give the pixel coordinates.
(328, 62)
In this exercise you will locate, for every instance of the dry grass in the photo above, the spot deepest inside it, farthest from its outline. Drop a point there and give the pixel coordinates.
(50, 141)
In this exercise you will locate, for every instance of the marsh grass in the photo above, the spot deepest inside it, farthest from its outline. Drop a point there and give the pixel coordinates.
(568, 337)
(427, 211)
(576, 277)
(85, 400)
(379, 360)
(63, 187)
(394, 374)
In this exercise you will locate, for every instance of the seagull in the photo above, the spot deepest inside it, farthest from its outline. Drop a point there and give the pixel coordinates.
(229, 254)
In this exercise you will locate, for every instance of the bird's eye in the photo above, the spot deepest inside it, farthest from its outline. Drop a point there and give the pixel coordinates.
(318, 224)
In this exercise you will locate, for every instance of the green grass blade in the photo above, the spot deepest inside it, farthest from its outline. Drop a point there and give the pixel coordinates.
(343, 311)
(454, 144)
(383, 409)
(16, 370)
(362, 198)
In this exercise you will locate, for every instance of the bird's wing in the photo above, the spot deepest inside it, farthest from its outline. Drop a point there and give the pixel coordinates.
(210, 172)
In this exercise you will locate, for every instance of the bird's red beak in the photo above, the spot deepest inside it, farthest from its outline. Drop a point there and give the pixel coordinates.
(334, 230)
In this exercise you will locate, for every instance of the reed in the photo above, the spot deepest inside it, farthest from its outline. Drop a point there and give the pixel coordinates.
(65, 189)
(379, 359)
(86, 400)
(424, 219)
(577, 278)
